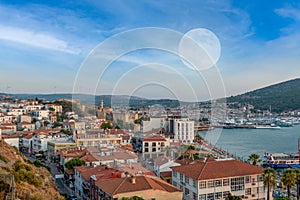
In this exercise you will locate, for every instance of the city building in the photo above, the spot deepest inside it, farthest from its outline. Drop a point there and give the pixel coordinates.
(55, 146)
(153, 146)
(103, 183)
(216, 179)
(162, 165)
(146, 187)
(98, 139)
(183, 130)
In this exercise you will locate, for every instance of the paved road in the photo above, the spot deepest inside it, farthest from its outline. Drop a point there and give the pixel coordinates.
(62, 188)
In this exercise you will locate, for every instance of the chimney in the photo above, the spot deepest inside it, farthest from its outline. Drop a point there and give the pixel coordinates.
(133, 180)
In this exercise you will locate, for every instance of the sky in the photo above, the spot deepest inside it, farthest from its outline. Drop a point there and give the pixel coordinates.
(50, 46)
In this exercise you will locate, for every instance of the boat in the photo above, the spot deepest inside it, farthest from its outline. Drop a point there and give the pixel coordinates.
(281, 160)
(272, 126)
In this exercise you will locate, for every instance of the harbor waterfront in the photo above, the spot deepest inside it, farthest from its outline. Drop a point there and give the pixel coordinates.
(243, 142)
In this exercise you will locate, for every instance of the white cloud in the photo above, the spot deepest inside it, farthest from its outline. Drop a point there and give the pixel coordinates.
(35, 39)
(289, 12)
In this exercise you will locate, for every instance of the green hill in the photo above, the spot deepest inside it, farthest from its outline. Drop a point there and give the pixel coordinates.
(281, 97)
(30, 182)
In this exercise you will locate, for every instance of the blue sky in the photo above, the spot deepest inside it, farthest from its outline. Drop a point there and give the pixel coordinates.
(44, 43)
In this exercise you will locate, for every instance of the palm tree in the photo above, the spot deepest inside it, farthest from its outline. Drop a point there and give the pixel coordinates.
(254, 158)
(298, 182)
(269, 180)
(289, 179)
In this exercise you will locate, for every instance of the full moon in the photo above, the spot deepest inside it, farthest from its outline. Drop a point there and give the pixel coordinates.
(199, 49)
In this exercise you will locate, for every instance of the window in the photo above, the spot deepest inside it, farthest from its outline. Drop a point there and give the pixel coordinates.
(225, 182)
(260, 178)
(186, 180)
(146, 144)
(174, 173)
(202, 184)
(237, 184)
(225, 194)
(175, 183)
(218, 195)
(194, 184)
(186, 191)
(153, 144)
(248, 179)
(181, 177)
(218, 183)
(194, 196)
(210, 184)
(153, 149)
(248, 191)
(202, 197)
(210, 196)
(146, 150)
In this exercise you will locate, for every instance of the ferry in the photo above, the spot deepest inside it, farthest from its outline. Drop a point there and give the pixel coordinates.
(281, 160)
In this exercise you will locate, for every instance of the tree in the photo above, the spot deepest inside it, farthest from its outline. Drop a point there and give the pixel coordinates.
(269, 180)
(196, 156)
(289, 179)
(298, 182)
(73, 163)
(46, 123)
(198, 137)
(191, 147)
(254, 158)
(230, 197)
(106, 125)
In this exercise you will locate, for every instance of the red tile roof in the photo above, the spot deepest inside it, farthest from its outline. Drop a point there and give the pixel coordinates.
(89, 158)
(124, 185)
(154, 138)
(161, 160)
(166, 174)
(217, 169)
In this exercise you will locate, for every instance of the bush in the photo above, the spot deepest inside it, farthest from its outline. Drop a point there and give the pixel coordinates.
(3, 158)
(37, 163)
(74, 162)
(24, 172)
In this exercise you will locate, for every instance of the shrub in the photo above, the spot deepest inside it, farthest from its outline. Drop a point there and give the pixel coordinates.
(3, 158)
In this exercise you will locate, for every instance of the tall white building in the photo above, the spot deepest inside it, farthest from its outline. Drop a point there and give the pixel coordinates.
(183, 130)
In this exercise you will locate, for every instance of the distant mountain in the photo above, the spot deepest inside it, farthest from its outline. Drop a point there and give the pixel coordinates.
(280, 97)
(109, 100)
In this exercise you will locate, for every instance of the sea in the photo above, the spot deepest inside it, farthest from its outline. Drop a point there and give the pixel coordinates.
(243, 142)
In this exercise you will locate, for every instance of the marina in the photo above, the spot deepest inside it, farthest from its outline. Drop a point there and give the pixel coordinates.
(243, 142)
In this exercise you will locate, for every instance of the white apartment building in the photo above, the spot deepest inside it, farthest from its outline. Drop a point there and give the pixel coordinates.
(183, 130)
(41, 114)
(213, 179)
(153, 124)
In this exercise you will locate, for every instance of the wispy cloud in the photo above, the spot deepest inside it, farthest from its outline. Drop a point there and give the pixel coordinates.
(289, 12)
(35, 39)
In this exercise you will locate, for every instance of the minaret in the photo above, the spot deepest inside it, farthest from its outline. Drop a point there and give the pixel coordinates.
(102, 104)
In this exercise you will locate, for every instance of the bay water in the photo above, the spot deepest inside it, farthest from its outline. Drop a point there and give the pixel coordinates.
(243, 142)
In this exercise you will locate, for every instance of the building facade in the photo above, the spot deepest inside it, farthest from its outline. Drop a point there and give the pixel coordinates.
(217, 179)
(183, 130)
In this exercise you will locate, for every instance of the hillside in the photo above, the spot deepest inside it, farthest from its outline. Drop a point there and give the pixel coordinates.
(281, 97)
(30, 182)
